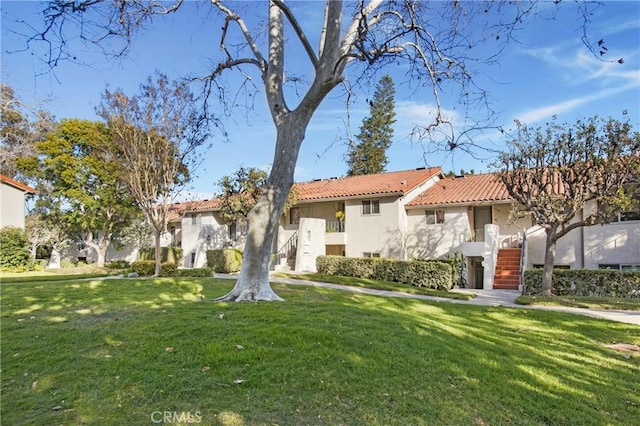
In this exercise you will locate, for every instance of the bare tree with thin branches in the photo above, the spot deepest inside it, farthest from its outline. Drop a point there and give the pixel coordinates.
(154, 135)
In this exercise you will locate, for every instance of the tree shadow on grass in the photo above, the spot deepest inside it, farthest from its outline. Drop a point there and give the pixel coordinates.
(322, 357)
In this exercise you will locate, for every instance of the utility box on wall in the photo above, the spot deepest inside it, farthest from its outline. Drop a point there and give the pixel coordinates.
(311, 243)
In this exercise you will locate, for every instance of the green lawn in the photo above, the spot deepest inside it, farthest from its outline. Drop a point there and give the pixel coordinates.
(616, 303)
(119, 351)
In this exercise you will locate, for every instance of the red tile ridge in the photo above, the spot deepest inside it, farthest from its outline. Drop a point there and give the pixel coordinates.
(16, 184)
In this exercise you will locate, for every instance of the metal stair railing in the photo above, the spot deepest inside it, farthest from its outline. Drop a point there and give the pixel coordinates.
(283, 252)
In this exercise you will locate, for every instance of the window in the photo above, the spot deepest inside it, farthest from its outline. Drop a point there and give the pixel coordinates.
(232, 231)
(435, 217)
(294, 216)
(631, 215)
(195, 219)
(618, 267)
(370, 254)
(242, 226)
(541, 266)
(370, 207)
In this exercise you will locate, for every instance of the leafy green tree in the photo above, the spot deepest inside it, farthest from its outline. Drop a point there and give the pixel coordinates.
(86, 196)
(369, 154)
(553, 172)
(240, 191)
(155, 135)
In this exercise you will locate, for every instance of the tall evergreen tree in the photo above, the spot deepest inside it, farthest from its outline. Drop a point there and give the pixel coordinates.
(369, 154)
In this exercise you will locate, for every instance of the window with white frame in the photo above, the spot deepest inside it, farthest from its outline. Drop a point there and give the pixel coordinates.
(370, 207)
(435, 217)
(370, 254)
(195, 219)
(619, 267)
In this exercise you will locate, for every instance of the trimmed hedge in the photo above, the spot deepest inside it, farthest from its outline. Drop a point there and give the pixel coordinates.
(585, 282)
(147, 268)
(168, 254)
(436, 274)
(194, 272)
(224, 260)
(117, 264)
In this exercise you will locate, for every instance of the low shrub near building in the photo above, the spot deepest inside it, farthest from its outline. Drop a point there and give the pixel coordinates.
(117, 264)
(224, 260)
(168, 254)
(146, 268)
(434, 274)
(194, 272)
(584, 282)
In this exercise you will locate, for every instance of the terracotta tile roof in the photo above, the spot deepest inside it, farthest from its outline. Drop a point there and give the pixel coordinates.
(463, 190)
(389, 183)
(16, 184)
(177, 210)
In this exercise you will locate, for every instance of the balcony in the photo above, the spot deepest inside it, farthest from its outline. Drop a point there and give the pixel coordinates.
(335, 233)
(473, 244)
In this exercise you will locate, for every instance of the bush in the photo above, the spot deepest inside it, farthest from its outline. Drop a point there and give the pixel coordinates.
(147, 268)
(224, 261)
(585, 282)
(168, 254)
(117, 264)
(14, 249)
(67, 264)
(194, 272)
(434, 274)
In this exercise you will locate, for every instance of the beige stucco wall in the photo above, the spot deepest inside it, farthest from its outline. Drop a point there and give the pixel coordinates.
(616, 243)
(194, 237)
(437, 240)
(375, 233)
(612, 244)
(11, 206)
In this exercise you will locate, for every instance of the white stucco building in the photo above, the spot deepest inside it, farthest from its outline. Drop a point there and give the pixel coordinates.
(12, 201)
(406, 215)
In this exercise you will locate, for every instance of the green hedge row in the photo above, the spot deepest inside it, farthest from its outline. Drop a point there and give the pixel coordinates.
(436, 274)
(146, 268)
(169, 254)
(224, 260)
(585, 282)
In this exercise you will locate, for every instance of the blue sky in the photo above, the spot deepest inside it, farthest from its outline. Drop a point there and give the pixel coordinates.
(547, 71)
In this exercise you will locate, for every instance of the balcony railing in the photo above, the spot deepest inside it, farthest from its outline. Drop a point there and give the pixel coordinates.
(477, 236)
(335, 226)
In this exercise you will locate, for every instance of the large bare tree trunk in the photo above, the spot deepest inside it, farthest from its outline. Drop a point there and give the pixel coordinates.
(549, 260)
(263, 219)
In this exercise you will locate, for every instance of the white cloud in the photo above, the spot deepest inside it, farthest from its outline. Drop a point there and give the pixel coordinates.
(547, 111)
(410, 114)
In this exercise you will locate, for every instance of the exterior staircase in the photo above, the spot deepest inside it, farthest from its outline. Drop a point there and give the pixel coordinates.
(285, 258)
(507, 276)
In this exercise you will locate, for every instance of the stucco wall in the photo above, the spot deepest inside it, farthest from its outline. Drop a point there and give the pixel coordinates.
(612, 244)
(11, 206)
(194, 237)
(437, 240)
(375, 233)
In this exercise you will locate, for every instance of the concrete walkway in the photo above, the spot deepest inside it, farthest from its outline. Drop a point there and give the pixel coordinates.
(504, 298)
